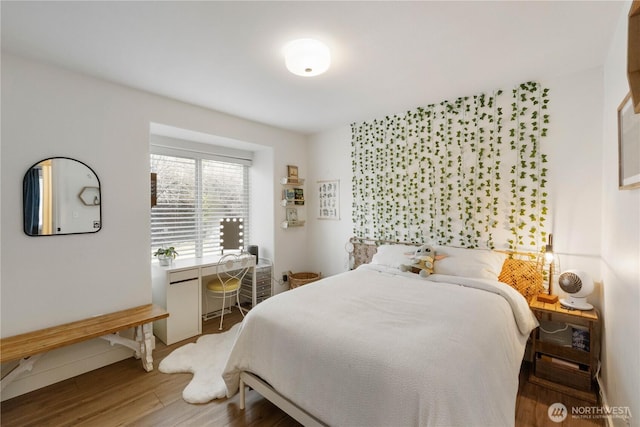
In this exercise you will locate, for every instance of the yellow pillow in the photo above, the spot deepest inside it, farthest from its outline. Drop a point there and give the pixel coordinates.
(523, 276)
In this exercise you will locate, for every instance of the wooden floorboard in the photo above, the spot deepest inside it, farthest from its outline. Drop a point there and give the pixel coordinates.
(123, 394)
(533, 403)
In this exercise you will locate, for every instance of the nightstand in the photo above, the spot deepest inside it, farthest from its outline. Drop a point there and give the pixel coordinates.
(566, 349)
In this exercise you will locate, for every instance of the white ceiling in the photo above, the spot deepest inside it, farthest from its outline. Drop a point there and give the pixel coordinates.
(387, 57)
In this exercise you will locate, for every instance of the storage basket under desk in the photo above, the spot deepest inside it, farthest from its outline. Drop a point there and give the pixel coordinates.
(263, 285)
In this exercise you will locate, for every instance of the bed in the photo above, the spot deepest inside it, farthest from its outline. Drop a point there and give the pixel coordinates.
(376, 346)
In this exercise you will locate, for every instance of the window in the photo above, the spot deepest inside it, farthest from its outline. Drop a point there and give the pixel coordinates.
(195, 191)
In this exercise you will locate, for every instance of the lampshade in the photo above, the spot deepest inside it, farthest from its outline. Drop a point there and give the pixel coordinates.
(548, 251)
(307, 57)
(553, 262)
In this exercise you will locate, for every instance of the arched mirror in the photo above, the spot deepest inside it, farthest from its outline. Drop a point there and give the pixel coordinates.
(61, 196)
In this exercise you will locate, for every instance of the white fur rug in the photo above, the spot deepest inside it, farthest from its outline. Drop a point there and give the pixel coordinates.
(206, 359)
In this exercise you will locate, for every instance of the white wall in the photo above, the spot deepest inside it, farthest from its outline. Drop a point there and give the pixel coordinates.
(331, 154)
(574, 165)
(48, 111)
(575, 157)
(620, 247)
(292, 243)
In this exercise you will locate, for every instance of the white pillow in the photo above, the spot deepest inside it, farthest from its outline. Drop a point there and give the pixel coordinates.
(477, 263)
(393, 255)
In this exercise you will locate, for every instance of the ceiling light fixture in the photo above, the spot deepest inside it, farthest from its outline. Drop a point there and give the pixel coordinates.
(306, 57)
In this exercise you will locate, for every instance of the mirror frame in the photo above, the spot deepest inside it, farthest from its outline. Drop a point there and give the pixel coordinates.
(99, 196)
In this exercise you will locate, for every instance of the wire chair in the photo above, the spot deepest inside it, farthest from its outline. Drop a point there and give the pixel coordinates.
(226, 284)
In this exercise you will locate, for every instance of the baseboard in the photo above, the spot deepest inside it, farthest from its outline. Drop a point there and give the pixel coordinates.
(65, 363)
(604, 402)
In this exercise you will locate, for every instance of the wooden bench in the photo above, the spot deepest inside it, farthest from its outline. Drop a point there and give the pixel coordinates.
(29, 347)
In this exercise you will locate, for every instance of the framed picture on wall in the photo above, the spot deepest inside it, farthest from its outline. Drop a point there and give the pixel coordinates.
(289, 195)
(292, 216)
(329, 199)
(292, 172)
(628, 146)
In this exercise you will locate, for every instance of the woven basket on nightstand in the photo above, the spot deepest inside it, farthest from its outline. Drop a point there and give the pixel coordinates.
(299, 279)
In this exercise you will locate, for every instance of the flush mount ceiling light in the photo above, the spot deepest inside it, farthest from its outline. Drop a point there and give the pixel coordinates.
(306, 57)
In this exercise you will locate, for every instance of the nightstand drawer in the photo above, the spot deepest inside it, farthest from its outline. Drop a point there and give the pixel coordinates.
(561, 374)
(567, 353)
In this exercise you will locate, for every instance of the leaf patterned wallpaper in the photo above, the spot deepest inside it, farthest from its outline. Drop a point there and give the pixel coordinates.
(464, 173)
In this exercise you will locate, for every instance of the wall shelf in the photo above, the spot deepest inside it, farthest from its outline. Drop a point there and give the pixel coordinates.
(289, 224)
(293, 202)
(292, 181)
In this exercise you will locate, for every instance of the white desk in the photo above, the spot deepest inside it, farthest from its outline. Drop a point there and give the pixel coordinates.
(178, 289)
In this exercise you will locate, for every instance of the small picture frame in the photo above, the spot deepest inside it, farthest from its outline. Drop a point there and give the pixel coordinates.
(628, 146)
(298, 196)
(292, 215)
(289, 195)
(292, 172)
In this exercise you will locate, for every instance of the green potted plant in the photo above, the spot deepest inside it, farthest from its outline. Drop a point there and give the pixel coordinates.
(166, 255)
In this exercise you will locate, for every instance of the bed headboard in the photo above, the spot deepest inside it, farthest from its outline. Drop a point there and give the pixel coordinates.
(362, 250)
(524, 271)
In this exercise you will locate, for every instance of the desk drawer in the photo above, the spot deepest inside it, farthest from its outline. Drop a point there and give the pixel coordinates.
(209, 271)
(264, 288)
(181, 276)
(263, 293)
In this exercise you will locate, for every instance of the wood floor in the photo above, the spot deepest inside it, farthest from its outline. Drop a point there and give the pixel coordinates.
(123, 394)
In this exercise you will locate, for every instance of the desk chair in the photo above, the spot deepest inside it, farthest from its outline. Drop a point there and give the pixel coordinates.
(226, 284)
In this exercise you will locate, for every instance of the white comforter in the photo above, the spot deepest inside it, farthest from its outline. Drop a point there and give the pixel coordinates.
(372, 348)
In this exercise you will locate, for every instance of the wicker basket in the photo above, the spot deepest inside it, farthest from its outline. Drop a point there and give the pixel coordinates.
(299, 279)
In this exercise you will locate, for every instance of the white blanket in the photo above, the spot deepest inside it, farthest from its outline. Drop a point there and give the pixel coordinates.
(372, 348)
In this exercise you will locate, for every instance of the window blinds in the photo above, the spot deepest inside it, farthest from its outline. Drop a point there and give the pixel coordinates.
(193, 193)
